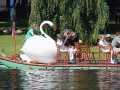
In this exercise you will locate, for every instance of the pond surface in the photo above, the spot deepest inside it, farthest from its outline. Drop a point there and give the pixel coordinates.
(59, 80)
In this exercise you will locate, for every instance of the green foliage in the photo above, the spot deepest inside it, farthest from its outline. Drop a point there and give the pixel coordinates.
(35, 13)
(102, 17)
(7, 45)
(86, 17)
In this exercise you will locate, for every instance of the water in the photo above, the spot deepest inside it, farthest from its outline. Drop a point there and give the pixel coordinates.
(59, 80)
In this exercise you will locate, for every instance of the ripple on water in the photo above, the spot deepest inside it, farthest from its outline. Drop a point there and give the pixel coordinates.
(108, 80)
(59, 80)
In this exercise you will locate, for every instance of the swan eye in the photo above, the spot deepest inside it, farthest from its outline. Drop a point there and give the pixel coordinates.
(43, 35)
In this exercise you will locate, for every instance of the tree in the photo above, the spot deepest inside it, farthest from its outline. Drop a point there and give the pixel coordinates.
(86, 17)
(35, 13)
(45, 10)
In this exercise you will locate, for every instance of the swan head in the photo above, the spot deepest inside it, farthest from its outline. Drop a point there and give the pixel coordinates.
(49, 23)
(45, 23)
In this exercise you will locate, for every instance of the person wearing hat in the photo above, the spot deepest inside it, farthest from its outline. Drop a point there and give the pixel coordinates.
(105, 43)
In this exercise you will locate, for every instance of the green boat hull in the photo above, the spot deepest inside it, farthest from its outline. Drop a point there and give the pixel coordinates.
(22, 66)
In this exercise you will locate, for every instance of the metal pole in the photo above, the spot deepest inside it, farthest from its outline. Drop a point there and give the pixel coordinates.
(13, 26)
(14, 37)
(12, 10)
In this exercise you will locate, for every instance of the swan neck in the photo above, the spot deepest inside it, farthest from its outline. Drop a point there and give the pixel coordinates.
(42, 32)
(41, 29)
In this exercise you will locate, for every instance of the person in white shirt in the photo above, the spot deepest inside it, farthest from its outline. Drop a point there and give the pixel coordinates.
(71, 52)
(105, 46)
(116, 43)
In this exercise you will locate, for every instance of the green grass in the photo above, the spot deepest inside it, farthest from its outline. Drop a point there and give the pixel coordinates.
(7, 46)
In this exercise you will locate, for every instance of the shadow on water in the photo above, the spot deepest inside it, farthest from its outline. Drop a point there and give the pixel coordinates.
(9, 80)
(59, 80)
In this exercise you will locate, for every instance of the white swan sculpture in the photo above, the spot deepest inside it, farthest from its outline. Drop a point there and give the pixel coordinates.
(41, 47)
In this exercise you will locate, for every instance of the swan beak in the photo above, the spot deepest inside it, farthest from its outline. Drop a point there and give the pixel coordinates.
(50, 23)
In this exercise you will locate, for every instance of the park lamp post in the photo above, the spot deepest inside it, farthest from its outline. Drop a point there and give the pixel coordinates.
(13, 26)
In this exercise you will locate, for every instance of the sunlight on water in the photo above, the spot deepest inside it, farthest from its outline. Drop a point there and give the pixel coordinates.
(59, 80)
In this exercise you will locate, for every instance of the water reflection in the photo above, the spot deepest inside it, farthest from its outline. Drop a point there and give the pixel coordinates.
(59, 80)
(9, 80)
(108, 80)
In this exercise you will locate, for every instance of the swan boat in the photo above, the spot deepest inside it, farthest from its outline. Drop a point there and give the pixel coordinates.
(49, 56)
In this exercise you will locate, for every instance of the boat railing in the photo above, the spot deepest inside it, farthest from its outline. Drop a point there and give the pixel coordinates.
(85, 55)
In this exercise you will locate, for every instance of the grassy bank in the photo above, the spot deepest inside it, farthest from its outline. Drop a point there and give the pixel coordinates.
(7, 46)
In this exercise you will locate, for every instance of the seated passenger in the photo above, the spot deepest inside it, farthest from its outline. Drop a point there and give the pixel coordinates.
(116, 45)
(105, 43)
(33, 29)
(105, 46)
